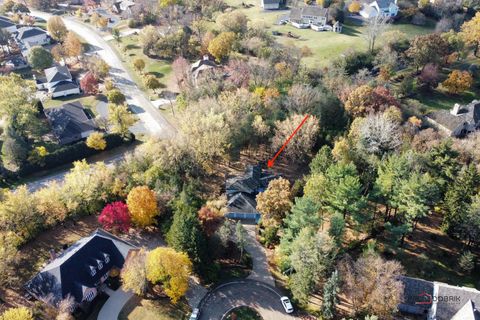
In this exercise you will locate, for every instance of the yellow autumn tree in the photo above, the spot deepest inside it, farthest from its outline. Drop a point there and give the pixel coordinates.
(354, 7)
(458, 81)
(20, 313)
(133, 272)
(142, 204)
(471, 33)
(221, 45)
(170, 268)
(56, 28)
(96, 141)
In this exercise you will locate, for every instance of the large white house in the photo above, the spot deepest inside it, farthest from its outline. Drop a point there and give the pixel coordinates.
(387, 8)
(59, 82)
(32, 36)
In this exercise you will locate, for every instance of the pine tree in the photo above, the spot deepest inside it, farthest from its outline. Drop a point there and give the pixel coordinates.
(322, 160)
(330, 290)
(185, 234)
(458, 198)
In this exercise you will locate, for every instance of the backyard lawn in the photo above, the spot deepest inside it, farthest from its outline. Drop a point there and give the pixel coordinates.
(325, 46)
(142, 309)
(129, 49)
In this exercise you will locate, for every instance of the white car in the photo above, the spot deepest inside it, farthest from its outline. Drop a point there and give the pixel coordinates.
(287, 305)
(195, 314)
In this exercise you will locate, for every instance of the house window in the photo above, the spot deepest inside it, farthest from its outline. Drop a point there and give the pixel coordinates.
(90, 296)
(93, 271)
(107, 257)
(100, 265)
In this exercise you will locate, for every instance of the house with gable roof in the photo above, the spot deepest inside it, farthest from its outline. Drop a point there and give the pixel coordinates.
(387, 8)
(80, 270)
(7, 25)
(242, 192)
(32, 36)
(70, 122)
(59, 82)
(439, 301)
(458, 122)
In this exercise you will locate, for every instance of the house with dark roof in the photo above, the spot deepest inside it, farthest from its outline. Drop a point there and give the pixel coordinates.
(202, 67)
(80, 270)
(387, 8)
(59, 82)
(7, 25)
(32, 36)
(70, 122)
(439, 301)
(272, 4)
(457, 122)
(242, 192)
(304, 17)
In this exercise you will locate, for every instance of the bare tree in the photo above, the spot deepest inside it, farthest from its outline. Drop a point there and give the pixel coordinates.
(379, 135)
(358, 278)
(376, 26)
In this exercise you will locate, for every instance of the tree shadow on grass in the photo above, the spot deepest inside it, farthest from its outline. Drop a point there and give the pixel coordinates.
(156, 74)
(132, 46)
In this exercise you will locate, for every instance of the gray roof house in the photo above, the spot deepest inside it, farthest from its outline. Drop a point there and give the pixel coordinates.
(439, 301)
(201, 66)
(59, 82)
(70, 122)
(242, 192)
(458, 122)
(33, 36)
(80, 270)
(303, 17)
(7, 25)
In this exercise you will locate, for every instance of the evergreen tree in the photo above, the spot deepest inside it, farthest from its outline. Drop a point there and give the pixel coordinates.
(322, 160)
(343, 193)
(304, 213)
(14, 148)
(330, 290)
(185, 235)
(442, 163)
(458, 198)
(337, 228)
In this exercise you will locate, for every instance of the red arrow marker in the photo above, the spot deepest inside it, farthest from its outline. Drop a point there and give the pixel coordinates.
(271, 162)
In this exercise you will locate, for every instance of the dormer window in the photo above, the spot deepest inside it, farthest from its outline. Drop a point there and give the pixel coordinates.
(99, 264)
(93, 271)
(106, 257)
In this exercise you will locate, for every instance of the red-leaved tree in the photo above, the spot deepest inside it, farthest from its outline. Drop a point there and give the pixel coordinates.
(115, 217)
(89, 83)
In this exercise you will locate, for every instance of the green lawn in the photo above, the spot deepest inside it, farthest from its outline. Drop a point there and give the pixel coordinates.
(325, 46)
(129, 50)
(142, 309)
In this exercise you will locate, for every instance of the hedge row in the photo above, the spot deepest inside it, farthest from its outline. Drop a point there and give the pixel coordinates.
(74, 152)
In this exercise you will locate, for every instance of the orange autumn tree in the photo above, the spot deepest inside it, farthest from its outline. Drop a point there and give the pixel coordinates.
(142, 203)
(458, 81)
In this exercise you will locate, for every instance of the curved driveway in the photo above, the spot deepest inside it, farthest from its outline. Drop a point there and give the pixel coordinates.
(259, 296)
(151, 121)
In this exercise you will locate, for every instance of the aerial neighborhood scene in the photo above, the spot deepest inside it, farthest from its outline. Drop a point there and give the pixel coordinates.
(240, 159)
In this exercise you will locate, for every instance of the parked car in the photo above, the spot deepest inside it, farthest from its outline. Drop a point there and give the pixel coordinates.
(195, 314)
(287, 305)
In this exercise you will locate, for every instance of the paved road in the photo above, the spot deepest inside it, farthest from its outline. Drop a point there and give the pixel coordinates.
(151, 121)
(263, 298)
(108, 157)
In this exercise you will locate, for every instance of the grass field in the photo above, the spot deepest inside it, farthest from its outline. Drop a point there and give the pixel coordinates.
(129, 49)
(325, 46)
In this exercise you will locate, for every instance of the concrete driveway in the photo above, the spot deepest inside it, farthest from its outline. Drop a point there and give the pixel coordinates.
(111, 309)
(257, 295)
(150, 120)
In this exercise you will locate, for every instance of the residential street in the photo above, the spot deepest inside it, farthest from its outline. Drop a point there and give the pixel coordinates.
(263, 298)
(150, 120)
